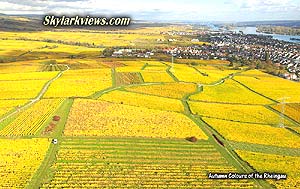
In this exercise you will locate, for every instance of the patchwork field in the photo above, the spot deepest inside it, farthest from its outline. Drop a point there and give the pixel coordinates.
(138, 122)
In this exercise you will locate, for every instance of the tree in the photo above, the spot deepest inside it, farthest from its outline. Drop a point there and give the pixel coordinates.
(107, 52)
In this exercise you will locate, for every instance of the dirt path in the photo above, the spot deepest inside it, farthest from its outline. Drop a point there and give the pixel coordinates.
(41, 93)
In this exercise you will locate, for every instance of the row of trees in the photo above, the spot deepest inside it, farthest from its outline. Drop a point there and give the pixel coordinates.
(266, 65)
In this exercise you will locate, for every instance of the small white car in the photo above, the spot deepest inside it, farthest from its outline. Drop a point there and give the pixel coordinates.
(54, 141)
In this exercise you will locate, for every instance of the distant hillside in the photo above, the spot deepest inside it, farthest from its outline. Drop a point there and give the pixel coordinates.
(19, 23)
(279, 30)
(34, 23)
(286, 23)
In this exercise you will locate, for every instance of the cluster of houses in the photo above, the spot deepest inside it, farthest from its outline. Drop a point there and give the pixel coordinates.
(184, 33)
(224, 45)
(139, 53)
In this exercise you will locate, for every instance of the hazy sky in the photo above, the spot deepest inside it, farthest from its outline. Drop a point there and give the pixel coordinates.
(194, 10)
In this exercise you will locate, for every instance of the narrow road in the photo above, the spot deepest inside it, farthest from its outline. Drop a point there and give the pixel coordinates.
(41, 93)
(220, 81)
(100, 93)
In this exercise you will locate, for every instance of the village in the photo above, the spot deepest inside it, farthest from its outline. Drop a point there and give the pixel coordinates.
(226, 45)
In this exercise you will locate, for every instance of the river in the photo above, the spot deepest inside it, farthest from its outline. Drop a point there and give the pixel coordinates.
(252, 30)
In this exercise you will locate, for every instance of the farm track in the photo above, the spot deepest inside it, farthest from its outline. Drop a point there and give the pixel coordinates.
(170, 73)
(50, 157)
(39, 96)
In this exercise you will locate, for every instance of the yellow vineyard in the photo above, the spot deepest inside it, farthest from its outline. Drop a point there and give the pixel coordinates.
(229, 92)
(264, 84)
(140, 100)
(275, 164)
(20, 158)
(80, 83)
(98, 118)
(236, 112)
(171, 90)
(75, 112)
(255, 133)
(31, 120)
